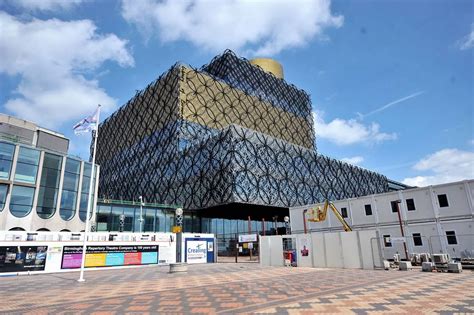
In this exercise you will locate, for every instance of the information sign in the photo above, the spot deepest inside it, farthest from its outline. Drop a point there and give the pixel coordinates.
(246, 238)
(107, 256)
(196, 252)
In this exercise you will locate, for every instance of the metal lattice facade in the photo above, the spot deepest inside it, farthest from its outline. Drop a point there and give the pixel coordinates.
(227, 133)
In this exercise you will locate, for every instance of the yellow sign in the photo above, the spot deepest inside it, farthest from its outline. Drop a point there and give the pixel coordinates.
(95, 260)
(176, 229)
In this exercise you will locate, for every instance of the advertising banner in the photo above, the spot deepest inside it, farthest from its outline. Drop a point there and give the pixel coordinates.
(196, 252)
(22, 258)
(108, 256)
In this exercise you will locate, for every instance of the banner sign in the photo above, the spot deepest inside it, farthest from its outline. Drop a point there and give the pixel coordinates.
(196, 252)
(108, 256)
(246, 238)
(22, 258)
(397, 239)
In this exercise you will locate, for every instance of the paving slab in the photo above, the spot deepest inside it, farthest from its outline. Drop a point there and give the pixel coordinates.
(238, 288)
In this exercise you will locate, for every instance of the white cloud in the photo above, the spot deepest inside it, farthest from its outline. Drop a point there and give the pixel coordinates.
(45, 5)
(355, 160)
(467, 41)
(52, 59)
(447, 165)
(345, 132)
(259, 27)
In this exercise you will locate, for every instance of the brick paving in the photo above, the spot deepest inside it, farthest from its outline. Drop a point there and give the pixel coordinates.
(238, 288)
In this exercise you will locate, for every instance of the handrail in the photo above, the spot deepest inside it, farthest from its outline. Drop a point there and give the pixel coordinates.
(136, 203)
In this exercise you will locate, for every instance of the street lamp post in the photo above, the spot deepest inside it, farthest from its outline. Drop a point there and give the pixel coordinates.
(179, 234)
(141, 213)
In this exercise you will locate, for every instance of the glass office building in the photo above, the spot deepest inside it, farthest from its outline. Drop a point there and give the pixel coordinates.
(41, 187)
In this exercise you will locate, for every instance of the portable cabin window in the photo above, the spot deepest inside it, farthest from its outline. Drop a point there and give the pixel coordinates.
(386, 241)
(451, 237)
(368, 210)
(410, 204)
(344, 212)
(443, 200)
(394, 205)
(417, 239)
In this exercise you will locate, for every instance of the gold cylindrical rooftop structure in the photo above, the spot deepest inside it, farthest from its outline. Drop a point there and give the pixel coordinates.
(269, 65)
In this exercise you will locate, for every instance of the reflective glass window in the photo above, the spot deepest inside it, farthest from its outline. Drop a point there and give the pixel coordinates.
(49, 185)
(3, 195)
(103, 217)
(115, 218)
(129, 213)
(21, 200)
(6, 158)
(160, 221)
(70, 187)
(27, 165)
(86, 177)
(169, 221)
(150, 224)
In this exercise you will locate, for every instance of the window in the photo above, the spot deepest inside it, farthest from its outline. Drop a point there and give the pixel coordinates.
(443, 200)
(417, 239)
(70, 188)
(6, 158)
(451, 236)
(386, 241)
(410, 205)
(27, 165)
(21, 200)
(394, 205)
(86, 177)
(344, 212)
(103, 217)
(49, 185)
(368, 210)
(3, 195)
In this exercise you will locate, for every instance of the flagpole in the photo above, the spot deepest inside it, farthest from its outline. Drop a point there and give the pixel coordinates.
(89, 202)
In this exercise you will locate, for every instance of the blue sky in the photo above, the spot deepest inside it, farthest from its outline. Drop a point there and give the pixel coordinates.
(391, 82)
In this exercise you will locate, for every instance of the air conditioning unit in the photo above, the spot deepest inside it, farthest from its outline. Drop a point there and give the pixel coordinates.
(455, 267)
(440, 258)
(427, 266)
(405, 265)
(425, 257)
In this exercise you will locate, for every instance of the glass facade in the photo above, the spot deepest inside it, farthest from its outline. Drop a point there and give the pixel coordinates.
(3, 195)
(6, 159)
(27, 165)
(40, 181)
(49, 185)
(86, 177)
(154, 219)
(157, 219)
(21, 200)
(70, 189)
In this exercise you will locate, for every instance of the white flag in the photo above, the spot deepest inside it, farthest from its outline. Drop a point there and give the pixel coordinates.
(87, 124)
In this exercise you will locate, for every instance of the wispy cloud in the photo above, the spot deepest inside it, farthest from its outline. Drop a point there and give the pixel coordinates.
(355, 160)
(467, 41)
(388, 105)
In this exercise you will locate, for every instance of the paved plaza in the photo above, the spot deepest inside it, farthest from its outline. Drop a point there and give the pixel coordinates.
(229, 288)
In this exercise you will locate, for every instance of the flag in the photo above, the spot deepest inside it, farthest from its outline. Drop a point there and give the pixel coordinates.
(87, 124)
